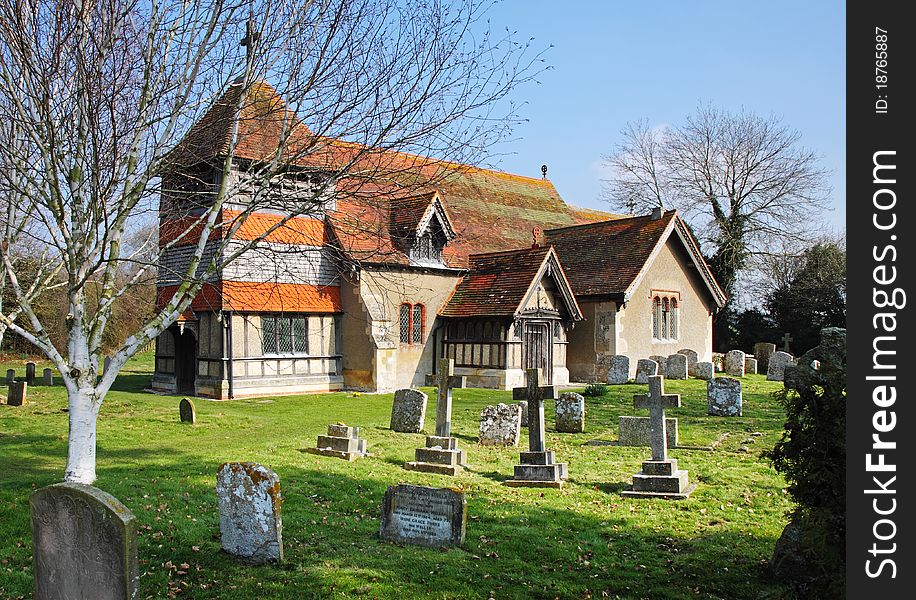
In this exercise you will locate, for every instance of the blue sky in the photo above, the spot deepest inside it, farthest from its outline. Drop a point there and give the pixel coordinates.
(615, 62)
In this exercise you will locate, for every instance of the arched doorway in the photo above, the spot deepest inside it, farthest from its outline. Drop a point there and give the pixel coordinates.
(185, 362)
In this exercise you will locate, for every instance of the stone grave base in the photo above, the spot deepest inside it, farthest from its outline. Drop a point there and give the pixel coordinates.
(340, 442)
(538, 469)
(660, 479)
(441, 455)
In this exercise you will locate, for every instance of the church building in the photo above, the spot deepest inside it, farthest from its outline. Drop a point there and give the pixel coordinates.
(367, 290)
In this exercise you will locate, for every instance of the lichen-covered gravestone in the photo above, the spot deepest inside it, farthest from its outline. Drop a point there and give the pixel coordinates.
(637, 431)
(84, 544)
(762, 352)
(734, 363)
(500, 425)
(750, 365)
(692, 358)
(676, 366)
(645, 368)
(16, 394)
(662, 363)
(186, 411)
(425, 516)
(776, 368)
(570, 413)
(619, 371)
(705, 370)
(408, 412)
(723, 397)
(250, 525)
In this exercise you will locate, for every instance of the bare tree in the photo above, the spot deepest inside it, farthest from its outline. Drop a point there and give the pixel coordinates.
(742, 181)
(102, 93)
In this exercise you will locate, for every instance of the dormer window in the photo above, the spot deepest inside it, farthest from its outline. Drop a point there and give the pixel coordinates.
(432, 233)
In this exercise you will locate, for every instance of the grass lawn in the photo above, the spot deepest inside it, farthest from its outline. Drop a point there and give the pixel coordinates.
(584, 541)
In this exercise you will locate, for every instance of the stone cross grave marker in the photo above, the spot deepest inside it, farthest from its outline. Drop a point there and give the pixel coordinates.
(17, 393)
(537, 468)
(786, 340)
(250, 524)
(660, 477)
(424, 516)
(186, 411)
(30, 373)
(84, 544)
(441, 454)
(47, 377)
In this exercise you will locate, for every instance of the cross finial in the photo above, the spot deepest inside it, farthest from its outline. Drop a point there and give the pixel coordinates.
(251, 38)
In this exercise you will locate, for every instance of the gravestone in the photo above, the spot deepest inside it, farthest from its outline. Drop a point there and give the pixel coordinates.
(441, 454)
(342, 441)
(186, 411)
(723, 397)
(408, 412)
(762, 352)
(718, 361)
(676, 366)
(660, 477)
(776, 368)
(250, 524)
(734, 363)
(750, 365)
(662, 363)
(570, 413)
(619, 371)
(786, 340)
(500, 425)
(705, 370)
(524, 406)
(537, 467)
(84, 544)
(16, 396)
(47, 377)
(10, 376)
(645, 368)
(424, 516)
(30, 373)
(692, 358)
(637, 431)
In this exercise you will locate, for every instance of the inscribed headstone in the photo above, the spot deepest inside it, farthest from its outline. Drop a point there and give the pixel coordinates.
(424, 516)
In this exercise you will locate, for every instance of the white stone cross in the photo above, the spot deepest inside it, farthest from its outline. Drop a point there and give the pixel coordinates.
(535, 395)
(657, 401)
(445, 381)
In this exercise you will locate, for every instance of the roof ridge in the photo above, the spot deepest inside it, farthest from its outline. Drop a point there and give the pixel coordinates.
(513, 251)
(666, 214)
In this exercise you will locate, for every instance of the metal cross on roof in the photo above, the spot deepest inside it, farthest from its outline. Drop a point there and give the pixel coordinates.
(251, 38)
(445, 381)
(535, 395)
(657, 401)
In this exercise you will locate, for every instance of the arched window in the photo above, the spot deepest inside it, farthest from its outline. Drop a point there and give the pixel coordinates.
(405, 323)
(411, 321)
(672, 316)
(665, 315)
(416, 336)
(657, 318)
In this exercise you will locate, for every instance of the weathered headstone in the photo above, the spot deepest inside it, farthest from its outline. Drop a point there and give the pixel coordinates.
(705, 370)
(786, 340)
(187, 411)
(776, 368)
(441, 454)
(16, 395)
(645, 368)
(570, 413)
(692, 358)
(734, 363)
(723, 397)
(660, 477)
(30, 373)
(718, 361)
(47, 377)
(342, 441)
(676, 366)
(537, 467)
(84, 544)
(637, 431)
(750, 365)
(662, 363)
(762, 352)
(619, 371)
(500, 425)
(425, 516)
(250, 525)
(524, 406)
(10, 375)
(408, 412)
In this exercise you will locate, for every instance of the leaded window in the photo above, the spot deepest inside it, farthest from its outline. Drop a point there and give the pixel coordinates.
(665, 318)
(405, 324)
(417, 325)
(284, 334)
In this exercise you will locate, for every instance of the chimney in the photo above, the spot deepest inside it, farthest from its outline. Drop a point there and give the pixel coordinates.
(657, 213)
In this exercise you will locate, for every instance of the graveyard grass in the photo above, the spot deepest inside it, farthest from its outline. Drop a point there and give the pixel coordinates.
(584, 541)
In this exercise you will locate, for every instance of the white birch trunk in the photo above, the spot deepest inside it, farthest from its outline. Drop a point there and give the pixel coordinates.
(84, 410)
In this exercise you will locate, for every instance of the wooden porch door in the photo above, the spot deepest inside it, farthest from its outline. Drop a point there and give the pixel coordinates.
(537, 349)
(185, 362)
